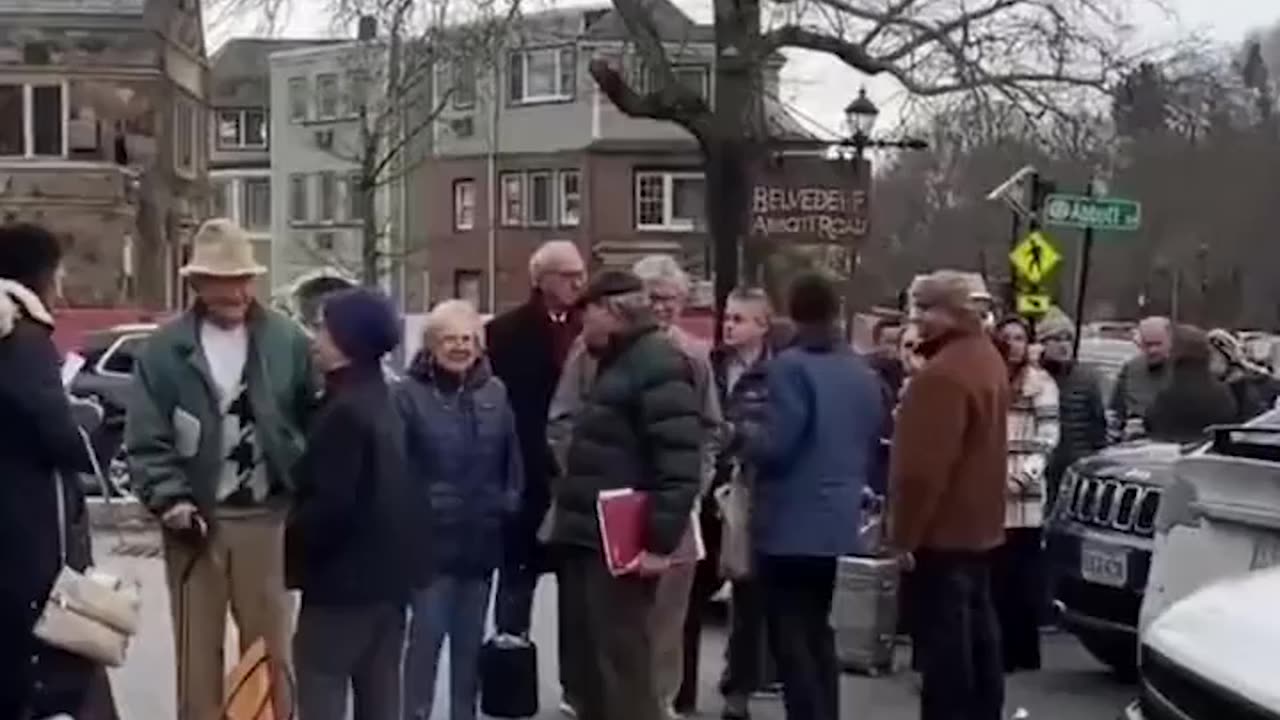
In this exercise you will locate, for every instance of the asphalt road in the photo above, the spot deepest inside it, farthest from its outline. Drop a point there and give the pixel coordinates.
(1071, 687)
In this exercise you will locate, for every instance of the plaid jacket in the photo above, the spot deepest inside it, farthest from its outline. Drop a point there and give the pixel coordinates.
(1033, 435)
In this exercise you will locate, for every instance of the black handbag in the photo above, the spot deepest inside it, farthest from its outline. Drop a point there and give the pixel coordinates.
(509, 677)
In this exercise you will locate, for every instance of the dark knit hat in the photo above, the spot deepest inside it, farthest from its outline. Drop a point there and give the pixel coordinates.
(608, 284)
(362, 324)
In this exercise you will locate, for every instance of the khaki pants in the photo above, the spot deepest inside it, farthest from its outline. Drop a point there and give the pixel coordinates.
(243, 565)
(666, 627)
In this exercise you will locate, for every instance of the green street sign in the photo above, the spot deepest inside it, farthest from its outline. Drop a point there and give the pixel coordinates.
(1082, 211)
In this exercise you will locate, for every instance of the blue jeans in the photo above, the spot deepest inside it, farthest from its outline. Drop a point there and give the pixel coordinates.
(455, 606)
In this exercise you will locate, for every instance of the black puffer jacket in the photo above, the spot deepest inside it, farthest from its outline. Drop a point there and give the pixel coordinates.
(1191, 402)
(639, 427)
(1082, 418)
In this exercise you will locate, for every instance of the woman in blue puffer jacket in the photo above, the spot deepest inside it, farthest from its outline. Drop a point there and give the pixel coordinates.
(463, 450)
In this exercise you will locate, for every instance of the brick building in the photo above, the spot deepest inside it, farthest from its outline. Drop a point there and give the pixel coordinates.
(101, 138)
(534, 152)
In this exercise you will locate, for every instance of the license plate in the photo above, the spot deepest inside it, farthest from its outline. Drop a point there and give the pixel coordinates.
(1104, 565)
(1266, 552)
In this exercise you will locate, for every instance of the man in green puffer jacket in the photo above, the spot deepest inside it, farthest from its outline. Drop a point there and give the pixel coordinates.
(639, 427)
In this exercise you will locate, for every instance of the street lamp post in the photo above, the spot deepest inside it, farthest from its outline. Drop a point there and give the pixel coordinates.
(860, 118)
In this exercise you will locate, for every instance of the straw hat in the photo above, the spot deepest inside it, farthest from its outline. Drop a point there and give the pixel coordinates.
(221, 249)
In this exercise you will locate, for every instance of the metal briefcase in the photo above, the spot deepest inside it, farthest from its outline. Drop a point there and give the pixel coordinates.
(864, 613)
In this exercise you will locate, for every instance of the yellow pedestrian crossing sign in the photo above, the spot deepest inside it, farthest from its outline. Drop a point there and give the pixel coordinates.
(1035, 258)
(1034, 304)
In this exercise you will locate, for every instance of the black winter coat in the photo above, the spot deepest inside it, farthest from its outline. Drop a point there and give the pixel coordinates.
(1192, 401)
(520, 350)
(1082, 419)
(746, 402)
(39, 444)
(356, 528)
(639, 427)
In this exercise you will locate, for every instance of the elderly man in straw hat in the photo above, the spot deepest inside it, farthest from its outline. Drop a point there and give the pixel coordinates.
(214, 427)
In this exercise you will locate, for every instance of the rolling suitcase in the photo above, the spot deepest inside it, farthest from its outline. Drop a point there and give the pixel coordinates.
(509, 677)
(864, 613)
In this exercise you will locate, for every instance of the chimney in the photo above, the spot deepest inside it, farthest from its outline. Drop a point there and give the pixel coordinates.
(368, 28)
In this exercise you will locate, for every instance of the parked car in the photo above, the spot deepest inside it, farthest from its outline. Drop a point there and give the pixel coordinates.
(106, 377)
(1211, 655)
(1098, 545)
(1220, 516)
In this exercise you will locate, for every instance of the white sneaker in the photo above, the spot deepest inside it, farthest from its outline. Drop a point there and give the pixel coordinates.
(567, 710)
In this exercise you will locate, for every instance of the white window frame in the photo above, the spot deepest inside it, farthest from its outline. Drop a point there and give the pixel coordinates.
(299, 81)
(243, 217)
(299, 212)
(669, 178)
(28, 116)
(504, 209)
(564, 217)
(321, 114)
(327, 200)
(242, 129)
(352, 207)
(550, 178)
(464, 204)
(561, 93)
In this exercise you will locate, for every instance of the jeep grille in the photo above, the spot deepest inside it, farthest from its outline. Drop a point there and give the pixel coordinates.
(1109, 504)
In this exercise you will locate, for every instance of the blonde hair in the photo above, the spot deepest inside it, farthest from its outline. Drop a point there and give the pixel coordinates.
(451, 311)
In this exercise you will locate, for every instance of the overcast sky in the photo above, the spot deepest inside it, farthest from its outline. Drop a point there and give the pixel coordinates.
(818, 87)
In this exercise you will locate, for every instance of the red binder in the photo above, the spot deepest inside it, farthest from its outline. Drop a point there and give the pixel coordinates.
(624, 524)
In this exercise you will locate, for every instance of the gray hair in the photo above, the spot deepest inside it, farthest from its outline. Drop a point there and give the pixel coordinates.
(632, 308)
(546, 253)
(753, 294)
(661, 268)
(449, 311)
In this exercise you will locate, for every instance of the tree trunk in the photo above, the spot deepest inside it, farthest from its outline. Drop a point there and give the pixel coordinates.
(370, 273)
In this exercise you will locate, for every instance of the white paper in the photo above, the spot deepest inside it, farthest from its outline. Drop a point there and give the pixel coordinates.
(72, 364)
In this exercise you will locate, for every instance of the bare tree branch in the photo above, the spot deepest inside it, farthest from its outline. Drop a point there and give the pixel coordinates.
(673, 102)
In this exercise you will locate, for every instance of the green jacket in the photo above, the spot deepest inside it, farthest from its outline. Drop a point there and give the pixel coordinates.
(639, 426)
(172, 458)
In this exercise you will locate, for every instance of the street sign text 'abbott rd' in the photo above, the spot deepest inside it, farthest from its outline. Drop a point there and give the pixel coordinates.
(1098, 213)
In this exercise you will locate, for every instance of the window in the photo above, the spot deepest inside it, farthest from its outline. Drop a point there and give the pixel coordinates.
(669, 200)
(570, 198)
(325, 241)
(218, 199)
(542, 75)
(119, 358)
(255, 203)
(298, 99)
(238, 129)
(512, 199)
(464, 204)
(298, 197)
(185, 122)
(355, 199)
(32, 121)
(695, 77)
(328, 196)
(540, 198)
(327, 95)
(466, 286)
(464, 85)
(357, 91)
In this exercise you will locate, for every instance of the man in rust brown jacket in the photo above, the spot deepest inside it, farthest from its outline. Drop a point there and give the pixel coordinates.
(947, 486)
